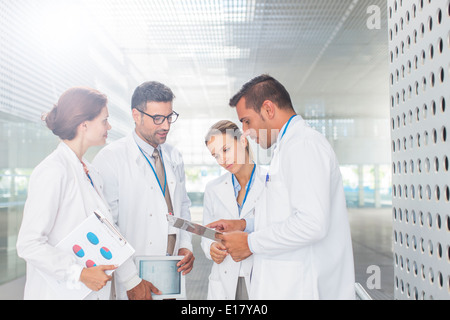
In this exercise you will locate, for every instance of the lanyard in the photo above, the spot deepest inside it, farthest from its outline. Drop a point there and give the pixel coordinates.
(87, 173)
(282, 135)
(156, 176)
(90, 179)
(249, 185)
(287, 125)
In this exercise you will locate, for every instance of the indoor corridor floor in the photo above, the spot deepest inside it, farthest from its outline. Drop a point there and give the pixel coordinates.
(372, 248)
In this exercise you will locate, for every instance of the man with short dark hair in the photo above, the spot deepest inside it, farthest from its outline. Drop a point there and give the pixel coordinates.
(144, 180)
(301, 241)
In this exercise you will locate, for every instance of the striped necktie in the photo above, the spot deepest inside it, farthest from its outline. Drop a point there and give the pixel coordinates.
(159, 168)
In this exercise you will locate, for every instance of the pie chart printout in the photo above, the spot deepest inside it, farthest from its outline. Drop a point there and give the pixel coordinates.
(90, 264)
(92, 238)
(79, 252)
(106, 253)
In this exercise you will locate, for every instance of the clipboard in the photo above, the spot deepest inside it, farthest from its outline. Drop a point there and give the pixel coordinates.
(96, 241)
(192, 227)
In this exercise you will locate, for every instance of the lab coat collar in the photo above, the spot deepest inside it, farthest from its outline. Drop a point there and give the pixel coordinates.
(133, 142)
(226, 191)
(135, 153)
(91, 197)
(146, 147)
(70, 154)
(254, 193)
(296, 121)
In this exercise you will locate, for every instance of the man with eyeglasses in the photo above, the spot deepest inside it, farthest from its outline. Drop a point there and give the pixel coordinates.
(144, 180)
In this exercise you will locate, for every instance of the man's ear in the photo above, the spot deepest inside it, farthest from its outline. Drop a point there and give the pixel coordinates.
(135, 114)
(268, 109)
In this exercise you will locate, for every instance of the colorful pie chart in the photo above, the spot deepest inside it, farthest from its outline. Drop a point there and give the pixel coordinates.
(92, 238)
(79, 252)
(90, 264)
(106, 253)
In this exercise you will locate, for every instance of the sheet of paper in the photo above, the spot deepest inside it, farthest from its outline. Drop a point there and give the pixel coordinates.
(94, 242)
(193, 227)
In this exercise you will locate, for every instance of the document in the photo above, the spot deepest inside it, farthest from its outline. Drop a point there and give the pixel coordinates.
(193, 227)
(96, 241)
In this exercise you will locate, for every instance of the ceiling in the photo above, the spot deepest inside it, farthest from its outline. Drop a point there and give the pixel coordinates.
(326, 52)
(332, 64)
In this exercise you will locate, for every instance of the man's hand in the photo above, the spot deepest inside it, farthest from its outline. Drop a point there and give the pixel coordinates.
(143, 291)
(218, 252)
(236, 244)
(187, 263)
(228, 225)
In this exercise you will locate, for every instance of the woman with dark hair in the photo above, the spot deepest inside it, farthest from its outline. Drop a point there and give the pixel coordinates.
(63, 191)
(230, 196)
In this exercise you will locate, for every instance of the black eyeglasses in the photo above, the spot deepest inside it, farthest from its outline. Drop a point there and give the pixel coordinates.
(159, 119)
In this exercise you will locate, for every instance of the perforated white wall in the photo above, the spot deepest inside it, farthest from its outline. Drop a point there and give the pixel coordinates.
(419, 45)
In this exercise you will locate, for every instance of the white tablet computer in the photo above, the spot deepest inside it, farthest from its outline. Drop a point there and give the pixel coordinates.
(162, 272)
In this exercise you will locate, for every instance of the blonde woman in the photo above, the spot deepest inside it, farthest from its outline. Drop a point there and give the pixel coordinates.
(231, 196)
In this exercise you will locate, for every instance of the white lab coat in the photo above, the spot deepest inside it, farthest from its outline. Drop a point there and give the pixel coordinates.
(302, 240)
(60, 197)
(137, 204)
(220, 203)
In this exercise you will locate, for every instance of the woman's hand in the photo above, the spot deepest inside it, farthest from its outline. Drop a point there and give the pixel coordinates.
(218, 252)
(95, 278)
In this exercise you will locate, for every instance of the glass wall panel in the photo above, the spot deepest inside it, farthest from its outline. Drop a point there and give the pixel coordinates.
(23, 145)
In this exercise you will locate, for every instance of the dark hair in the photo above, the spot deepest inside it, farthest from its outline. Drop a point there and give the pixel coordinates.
(150, 91)
(75, 106)
(260, 89)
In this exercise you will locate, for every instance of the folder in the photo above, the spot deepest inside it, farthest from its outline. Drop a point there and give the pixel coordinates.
(96, 241)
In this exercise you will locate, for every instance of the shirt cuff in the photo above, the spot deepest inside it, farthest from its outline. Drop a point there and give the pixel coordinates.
(133, 282)
(249, 225)
(74, 275)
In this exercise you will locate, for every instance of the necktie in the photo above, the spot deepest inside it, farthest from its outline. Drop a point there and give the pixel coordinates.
(159, 169)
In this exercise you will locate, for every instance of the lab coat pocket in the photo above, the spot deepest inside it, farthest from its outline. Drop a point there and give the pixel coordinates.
(216, 290)
(287, 280)
(276, 189)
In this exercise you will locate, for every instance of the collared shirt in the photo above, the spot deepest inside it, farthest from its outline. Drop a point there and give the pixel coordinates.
(237, 188)
(146, 147)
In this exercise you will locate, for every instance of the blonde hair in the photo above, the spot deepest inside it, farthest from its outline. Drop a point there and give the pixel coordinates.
(229, 128)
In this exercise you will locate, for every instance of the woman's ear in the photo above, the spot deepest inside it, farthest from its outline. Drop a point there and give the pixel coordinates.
(244, 140)
(81, 129)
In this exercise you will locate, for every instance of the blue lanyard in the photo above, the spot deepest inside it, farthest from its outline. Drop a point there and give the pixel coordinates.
(287, 125)
(90, 179)
(86, 171)
(156, 176)
(249, 185)
(282, 135)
